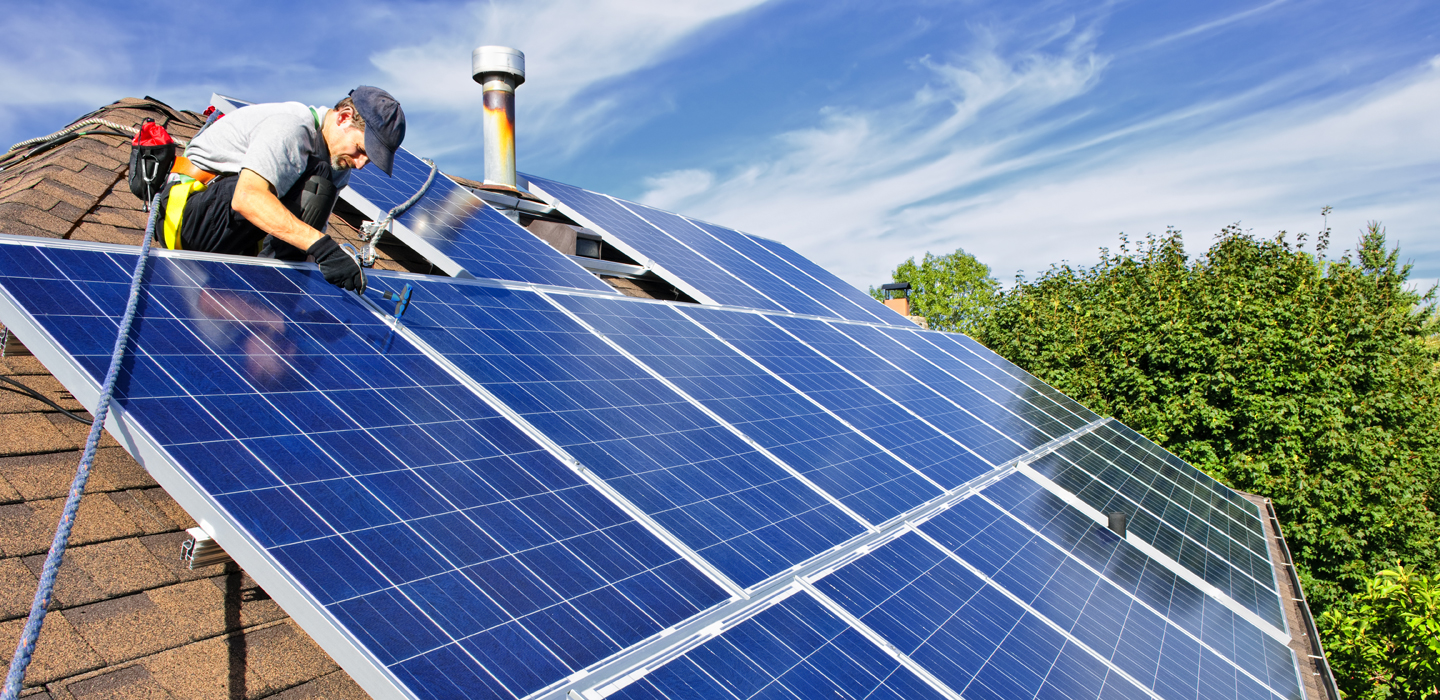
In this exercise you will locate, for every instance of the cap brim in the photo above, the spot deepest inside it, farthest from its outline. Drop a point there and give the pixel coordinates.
(378, 153)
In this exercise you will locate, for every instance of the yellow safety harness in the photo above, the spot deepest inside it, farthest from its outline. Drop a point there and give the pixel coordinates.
(180, 194)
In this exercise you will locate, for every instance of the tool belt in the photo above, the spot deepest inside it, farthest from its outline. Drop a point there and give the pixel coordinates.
(192, 179)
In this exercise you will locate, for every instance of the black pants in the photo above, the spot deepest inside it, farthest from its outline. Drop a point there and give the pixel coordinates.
(210, 225)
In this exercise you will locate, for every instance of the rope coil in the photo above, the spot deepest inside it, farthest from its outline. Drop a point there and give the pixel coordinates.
(25, 647)
(372, 231)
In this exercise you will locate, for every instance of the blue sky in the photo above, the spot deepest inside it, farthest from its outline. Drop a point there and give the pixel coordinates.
(860, 133)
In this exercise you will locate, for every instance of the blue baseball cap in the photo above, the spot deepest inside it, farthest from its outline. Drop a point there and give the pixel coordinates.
(384, 124)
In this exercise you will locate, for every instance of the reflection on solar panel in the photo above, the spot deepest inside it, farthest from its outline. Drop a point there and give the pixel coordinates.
(722, 265)
(459, 232)
(554, 493)
(1174, 510)
(872, 308)
(945, 460)
(740, 511)
(687, 269)
(367, 490)
(840, 461)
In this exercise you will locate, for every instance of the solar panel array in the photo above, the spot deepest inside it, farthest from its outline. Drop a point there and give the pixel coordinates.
(519, 491)
(715, 264)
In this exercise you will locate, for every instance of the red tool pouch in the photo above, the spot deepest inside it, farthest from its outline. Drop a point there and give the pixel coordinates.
(152, 154)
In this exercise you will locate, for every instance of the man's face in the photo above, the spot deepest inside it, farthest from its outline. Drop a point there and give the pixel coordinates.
(346, 143)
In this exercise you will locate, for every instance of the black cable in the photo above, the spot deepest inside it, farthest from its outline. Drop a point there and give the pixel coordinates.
(22, 389)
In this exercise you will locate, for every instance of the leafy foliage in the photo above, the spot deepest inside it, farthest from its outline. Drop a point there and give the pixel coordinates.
(1385, 641)
(953, 292)
(1275, 370)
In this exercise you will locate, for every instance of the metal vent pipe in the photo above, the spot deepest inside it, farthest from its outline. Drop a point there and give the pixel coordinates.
(499, 70)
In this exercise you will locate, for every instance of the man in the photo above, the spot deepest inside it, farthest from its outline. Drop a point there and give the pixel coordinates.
(274, 169)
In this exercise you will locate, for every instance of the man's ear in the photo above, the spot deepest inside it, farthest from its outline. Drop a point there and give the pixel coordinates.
(343, 117)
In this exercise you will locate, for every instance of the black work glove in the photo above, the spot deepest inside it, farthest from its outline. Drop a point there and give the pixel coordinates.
(338, 267)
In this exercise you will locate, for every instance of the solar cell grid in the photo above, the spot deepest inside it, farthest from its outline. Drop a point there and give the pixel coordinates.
(959, 345)
(936, 397)
(1244, 512)
(837, 459)
(1147, 580)
(1059, 632)
(718, 495)
(1094, 481)
(693, 271)
(1193, 506)
(461, 232)
(792, 651)
(869, 310)
(1015, 396)
(920, 445)
(1189, 505)
(439, 539)
(807, 286)
(1117, 626)
(698, 239)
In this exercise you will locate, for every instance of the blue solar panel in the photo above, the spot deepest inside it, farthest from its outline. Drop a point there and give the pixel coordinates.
(839, 460)
(430, 531)
(580, 536)
(963, 346)
(461, 234)
(959, 411)
(1120, 483)
(1068, 611)
(693, 272)
(836, 304)
(736, 508)
(795, 650)
(875, 311)
(1125, 567)
(922, 446)
(1016, 396)
(696, 238)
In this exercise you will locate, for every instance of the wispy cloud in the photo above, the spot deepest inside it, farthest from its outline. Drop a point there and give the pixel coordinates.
(572, 50)
(985, 173)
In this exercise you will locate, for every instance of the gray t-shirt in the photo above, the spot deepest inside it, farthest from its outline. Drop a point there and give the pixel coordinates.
(275, 140)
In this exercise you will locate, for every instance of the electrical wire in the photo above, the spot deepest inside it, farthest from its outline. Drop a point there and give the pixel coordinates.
(22, 389)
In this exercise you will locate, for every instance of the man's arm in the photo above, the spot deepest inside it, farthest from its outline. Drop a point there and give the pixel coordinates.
(256, 201)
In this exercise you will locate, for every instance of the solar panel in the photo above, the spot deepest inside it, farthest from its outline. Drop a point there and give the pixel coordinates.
(836, 304)
(686, 269)
(1162, 513)
(795, 649)
(459, 232)
(1008, 593)
(880, 312)
(1130, 570)
(521, 492)
(725, 266)
(858, 473)
(959, 411)
(437, 548)
(739, 510)
(945, 460)
(1035, 407)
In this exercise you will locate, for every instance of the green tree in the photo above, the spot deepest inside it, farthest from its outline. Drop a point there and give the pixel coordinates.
(1385, 642)
(1277, 371)
(953, 292)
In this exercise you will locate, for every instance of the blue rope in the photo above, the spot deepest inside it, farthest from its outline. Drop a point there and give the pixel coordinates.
(26, 646)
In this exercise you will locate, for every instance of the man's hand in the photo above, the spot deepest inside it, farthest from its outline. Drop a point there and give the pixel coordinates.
(338, 267)
(256, 201)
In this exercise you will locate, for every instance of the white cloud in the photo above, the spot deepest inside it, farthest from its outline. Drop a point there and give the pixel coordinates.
(861, 191)
(572, 48)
